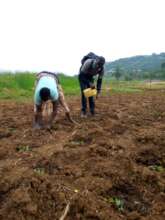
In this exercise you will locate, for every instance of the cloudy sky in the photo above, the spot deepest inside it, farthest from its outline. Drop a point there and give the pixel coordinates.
(53, 35)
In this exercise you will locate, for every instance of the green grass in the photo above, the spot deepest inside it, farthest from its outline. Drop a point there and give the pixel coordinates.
(16, 86)
(122, 86)
(113, 86)
(70, 84)
(20, 86)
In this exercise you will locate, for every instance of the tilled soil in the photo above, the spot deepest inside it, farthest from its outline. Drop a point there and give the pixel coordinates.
(108, 167)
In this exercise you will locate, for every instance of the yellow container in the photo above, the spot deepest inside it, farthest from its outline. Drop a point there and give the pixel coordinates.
(89, 92)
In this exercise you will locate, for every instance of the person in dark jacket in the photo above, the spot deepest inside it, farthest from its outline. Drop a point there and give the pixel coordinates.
(90, 68)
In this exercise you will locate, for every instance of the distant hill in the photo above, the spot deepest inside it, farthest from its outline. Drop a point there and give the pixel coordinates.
(145, 63)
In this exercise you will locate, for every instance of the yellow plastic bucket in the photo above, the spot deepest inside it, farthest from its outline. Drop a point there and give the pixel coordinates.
(89, 92)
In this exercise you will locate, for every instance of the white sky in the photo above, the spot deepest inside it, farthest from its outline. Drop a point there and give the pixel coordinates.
(54, 35)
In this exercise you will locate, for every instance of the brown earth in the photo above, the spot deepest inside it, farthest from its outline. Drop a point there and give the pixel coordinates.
(111, 166)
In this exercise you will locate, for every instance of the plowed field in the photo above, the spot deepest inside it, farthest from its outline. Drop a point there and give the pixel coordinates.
(108, 167)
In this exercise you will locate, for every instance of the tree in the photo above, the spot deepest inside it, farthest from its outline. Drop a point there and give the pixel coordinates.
(128, 77)
(163, 65)
(117, 73)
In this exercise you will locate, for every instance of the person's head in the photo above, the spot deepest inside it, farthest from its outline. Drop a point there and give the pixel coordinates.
(45, 94)
(100, 61)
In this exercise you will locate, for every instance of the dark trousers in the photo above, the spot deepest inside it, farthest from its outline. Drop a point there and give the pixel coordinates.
(84, 84)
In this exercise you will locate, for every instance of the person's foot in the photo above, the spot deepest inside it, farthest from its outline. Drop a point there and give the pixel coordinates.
(37, 126)
(83, 115)
(92, 113)
(48, 126)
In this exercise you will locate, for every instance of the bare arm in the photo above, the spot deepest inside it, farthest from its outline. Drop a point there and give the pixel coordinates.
(62, 99)
(64, 104)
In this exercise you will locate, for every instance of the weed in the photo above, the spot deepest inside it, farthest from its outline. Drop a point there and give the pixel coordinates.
(156, 114)
(39, 170)
(23, 148)
(12, 129)
(75, 143)
(157, 168)
(117, 202)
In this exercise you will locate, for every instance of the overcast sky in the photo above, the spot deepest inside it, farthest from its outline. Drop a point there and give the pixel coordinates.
(54, 35)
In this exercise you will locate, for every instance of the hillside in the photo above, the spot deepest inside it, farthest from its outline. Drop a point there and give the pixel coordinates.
(137, 63)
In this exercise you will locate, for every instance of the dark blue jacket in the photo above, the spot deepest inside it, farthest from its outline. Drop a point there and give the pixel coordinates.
(88, 70)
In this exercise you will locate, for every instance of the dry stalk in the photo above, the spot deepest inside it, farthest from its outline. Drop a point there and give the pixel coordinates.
(65, 211)
(67, 208)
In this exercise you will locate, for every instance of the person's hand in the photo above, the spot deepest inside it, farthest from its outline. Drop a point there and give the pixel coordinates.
(92, 86)
(70, 118)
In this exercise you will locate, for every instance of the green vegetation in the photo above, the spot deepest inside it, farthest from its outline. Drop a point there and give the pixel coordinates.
(117, 202)
(138, 67)
(115, 86)
(39, 171)
(157, 168)
(20, 86)
(23, 149)
(16, 86)
(117, 73)
(69, 84)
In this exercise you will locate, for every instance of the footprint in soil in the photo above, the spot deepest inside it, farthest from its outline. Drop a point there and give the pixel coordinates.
(119, 128)
(149, 158)
(5, 134)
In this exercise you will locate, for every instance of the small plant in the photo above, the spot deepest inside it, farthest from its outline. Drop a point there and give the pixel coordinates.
(156, 114)
(77, 142)
(12, 129)
(119, 203)
(39, 170)
(23, 148)
(157, 168)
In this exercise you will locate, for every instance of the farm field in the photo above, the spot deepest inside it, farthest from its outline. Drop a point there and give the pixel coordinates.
(108, 167)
